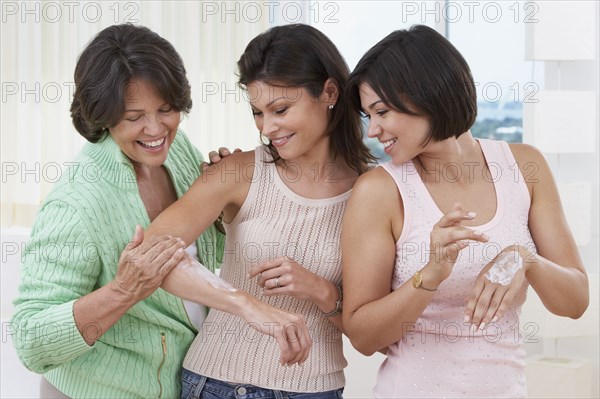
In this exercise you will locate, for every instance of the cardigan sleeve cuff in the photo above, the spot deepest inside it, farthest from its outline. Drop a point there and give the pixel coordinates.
(53, 341)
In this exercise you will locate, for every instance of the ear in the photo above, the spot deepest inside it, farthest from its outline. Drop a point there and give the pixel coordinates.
(331, 91)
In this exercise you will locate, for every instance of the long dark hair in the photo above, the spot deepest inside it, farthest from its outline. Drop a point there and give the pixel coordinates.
(116, 55)
(301, 56)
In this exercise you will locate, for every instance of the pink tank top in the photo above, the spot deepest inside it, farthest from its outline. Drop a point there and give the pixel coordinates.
(441, 357)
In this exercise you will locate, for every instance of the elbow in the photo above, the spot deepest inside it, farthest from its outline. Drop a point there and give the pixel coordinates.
(578, 311)
(30, 362)
(361, 342)
(365, 348)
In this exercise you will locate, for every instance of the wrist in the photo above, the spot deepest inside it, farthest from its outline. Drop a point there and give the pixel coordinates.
(530, 260)
(246, 306)
(120, 294)
(336, 309)
(431, 279)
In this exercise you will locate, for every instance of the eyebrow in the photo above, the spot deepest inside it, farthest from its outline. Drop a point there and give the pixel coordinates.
(278, 98)
(374, 103)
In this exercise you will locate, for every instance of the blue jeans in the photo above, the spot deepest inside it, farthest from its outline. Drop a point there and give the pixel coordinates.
(195, 386)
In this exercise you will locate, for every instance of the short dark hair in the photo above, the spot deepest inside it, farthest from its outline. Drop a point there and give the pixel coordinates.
(301, 56)
(109, 62)
(423, 67)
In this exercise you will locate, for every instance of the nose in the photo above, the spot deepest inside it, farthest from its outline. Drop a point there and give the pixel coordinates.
(269, 126)
(153, 125)
(374, 129)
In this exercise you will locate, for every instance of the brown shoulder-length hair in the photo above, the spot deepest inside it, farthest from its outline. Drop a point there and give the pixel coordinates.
(116, 55)
(301, 56)
(423, 67)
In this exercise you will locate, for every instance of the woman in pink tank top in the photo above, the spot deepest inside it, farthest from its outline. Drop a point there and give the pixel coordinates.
(440, 245)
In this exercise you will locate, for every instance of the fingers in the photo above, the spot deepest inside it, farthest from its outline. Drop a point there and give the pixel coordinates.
(489, 302)
(495, 301)
(170, 244)
(172, 261)
(477, 290)
(482, 305)
(217, 156)
(264, 266)
(284, 348)
(506, 301)
(214, 157)
(455, 216)
(138, 237)
(297, 342)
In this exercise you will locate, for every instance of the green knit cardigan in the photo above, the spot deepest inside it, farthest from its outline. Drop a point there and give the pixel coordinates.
(78, 236)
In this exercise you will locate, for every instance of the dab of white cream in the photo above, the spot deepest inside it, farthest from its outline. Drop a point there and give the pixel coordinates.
(504, 269)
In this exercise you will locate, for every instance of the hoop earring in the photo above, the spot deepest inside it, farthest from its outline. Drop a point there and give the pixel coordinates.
(264, 139)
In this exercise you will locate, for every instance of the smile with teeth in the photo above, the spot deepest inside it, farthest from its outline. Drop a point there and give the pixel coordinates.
(388, 143)
(153, 144)
(281, 140)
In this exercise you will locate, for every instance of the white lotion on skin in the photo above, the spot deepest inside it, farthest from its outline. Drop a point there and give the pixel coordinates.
(205, 274)
(504, 269)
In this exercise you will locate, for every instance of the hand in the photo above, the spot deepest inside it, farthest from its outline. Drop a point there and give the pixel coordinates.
(215, 157)
(448, 238)
(289, 329)
(284, 276)
(143, 265)
(489, 300)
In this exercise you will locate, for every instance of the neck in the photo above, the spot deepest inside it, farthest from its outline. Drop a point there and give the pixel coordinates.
(452, 159)
(317, 165)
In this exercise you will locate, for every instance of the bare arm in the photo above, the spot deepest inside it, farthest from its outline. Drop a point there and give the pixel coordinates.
(374, 317)
(224, 186)
(140, 271)
(556, 273)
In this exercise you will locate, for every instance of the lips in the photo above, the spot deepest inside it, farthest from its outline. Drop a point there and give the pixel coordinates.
(153, 145)
(281, 141)
(387, 144)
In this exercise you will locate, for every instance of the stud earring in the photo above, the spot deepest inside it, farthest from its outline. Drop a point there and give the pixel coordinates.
(331, 106)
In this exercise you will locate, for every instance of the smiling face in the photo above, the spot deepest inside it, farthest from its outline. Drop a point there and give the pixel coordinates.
(293, 120)
(148, 125)
(401, 134)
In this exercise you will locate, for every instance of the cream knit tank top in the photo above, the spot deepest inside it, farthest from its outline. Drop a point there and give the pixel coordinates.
(274, 221)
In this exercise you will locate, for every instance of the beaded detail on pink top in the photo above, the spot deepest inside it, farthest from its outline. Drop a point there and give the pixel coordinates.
(439, 355)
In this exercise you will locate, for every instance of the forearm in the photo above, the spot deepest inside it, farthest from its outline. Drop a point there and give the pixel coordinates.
(383, 322)
(190, 280)
(98, 311)
(563, 290)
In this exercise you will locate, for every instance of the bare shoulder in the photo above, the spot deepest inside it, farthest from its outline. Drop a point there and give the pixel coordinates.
(525, 153)
(376, 191)
(232, 169)
(374, 182)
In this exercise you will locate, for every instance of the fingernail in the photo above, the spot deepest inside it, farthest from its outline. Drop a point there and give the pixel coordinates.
(495, 319)
(473, 329)
(467, 318)
(478, 233)
(482, 325)
(471, 214)
(485, 237)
